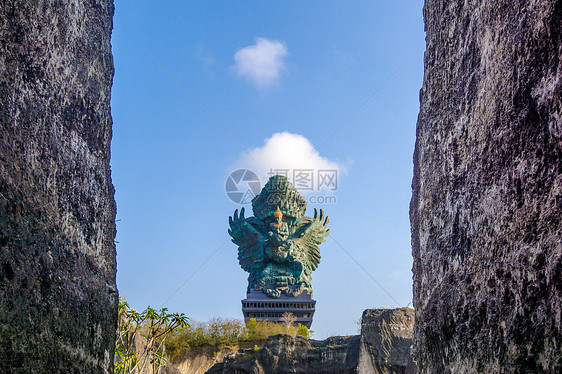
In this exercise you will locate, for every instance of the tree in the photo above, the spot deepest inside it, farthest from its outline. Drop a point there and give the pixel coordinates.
(288, 320)
(304, 331)
(141, 337)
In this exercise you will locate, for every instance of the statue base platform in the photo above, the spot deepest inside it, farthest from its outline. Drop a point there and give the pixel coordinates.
(257, 305)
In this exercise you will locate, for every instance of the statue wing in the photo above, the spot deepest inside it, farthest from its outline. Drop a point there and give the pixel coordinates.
(247, 234)
(309, 234)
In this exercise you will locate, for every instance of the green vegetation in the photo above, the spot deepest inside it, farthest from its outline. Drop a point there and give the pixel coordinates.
(304, 331)
(219, 332)
(141, 337)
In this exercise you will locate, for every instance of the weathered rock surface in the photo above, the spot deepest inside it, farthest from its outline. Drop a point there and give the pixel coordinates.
(386, 339)
(58, 297)
(382, 348)
(200, 359)
(285, 354)
(487, 190)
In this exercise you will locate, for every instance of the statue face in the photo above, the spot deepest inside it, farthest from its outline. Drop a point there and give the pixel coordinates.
(277, 221)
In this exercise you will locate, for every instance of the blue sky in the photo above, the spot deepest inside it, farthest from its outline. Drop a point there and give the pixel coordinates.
(186, 111)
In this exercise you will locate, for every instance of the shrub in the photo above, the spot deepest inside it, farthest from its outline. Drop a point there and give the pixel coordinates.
(219, 332)
(304, 331)
(141, 337)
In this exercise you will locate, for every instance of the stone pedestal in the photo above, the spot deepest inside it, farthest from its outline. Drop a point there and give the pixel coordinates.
(257, 305)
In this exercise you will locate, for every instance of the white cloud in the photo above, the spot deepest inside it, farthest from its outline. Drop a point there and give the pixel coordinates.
(261, 63)
(294, 153)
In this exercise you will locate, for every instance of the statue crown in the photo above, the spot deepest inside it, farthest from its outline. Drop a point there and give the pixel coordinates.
(279, 194)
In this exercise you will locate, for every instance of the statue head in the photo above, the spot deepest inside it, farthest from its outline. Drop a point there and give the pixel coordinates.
(279, 194)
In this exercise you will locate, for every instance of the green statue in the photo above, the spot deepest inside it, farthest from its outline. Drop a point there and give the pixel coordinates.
(279, 247)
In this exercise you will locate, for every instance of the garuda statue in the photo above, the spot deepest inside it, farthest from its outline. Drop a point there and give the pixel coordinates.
(279, 247)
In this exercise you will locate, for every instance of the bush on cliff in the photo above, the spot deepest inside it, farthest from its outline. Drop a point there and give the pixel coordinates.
(219, 332)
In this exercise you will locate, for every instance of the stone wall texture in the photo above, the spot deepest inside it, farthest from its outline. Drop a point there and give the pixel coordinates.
(58, 296)
(487, 190)
(386, 339)
(283, 354)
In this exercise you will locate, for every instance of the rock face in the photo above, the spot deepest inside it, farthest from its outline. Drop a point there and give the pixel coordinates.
(58, 297)
(386, 339)
(487, 190)
(382, 348)
(200, 359)
(285, 354)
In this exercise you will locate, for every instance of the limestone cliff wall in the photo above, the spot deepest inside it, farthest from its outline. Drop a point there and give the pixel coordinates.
(285, 354)
(386, 339)
(487, 190)
(200, 359)
(58, 297)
